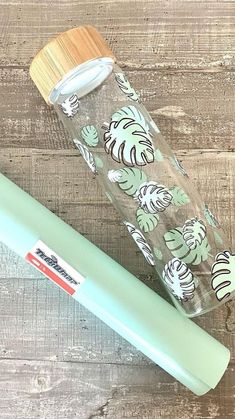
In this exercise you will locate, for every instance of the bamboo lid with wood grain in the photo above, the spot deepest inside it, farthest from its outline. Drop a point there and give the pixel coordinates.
(65, 52)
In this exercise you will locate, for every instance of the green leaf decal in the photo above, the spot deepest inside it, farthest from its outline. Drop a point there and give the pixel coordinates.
(153, 197)
(158, 155)
(175, 242)
(133, 113)
(90, 135)
(178, 166)
(212, 221)
(147, 222)
(179, 196)
(157, 253)
(99, 162)
(128, 179)
(125, 87)
(223, 274)
(217, 237)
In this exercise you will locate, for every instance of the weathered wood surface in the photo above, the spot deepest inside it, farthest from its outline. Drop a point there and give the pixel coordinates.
(43, 389)
(178, 101)
(56, 359)
(156, 34)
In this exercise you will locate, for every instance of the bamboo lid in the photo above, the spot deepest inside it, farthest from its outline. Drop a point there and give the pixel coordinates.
(65, 52)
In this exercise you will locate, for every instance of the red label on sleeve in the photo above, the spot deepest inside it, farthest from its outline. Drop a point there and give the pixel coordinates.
(54, 267)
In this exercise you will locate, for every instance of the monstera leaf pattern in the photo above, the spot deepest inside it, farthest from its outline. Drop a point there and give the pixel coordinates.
(131, 112)
(129, 179)
(223, 274)
(158, 254)
(176, 244)
(125, 87)
(128, 139)
(179, 196)
(218, 238)
(70, 106)
(90, 135)
(86, 154)
(99, 162)
(140, 240)
(153, 197)
(158, 155)
(212, 221)
(178, 166)
(147, 222)
(194, 231)
(179, 279)
(128, 143)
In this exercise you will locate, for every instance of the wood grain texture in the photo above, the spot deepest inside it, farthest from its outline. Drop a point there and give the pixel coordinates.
(45, 324)
(154, 34)
(177, 101)
(95, 391)
(56, 359)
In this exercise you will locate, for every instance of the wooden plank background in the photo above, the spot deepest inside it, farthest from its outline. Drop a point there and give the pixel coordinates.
(57, 361)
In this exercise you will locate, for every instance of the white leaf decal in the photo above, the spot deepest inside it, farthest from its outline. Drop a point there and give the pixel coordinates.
(125, 87)
(90, 135)
(194, 231)
(223, 274)
(140, 240)
(70, 106)
(179, 279)
(153, 197)
(127, 142)
(129, 179)
(86, 154)
(114, 175)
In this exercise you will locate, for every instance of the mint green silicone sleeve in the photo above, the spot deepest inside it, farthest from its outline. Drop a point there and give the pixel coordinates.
(114, 295)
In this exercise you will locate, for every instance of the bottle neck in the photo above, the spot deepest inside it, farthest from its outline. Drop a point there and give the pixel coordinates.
(83, 78)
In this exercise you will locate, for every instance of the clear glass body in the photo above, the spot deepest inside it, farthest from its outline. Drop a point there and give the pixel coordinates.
(162, 210)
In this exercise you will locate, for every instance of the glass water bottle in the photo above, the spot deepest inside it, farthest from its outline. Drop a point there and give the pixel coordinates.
(123, 147)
